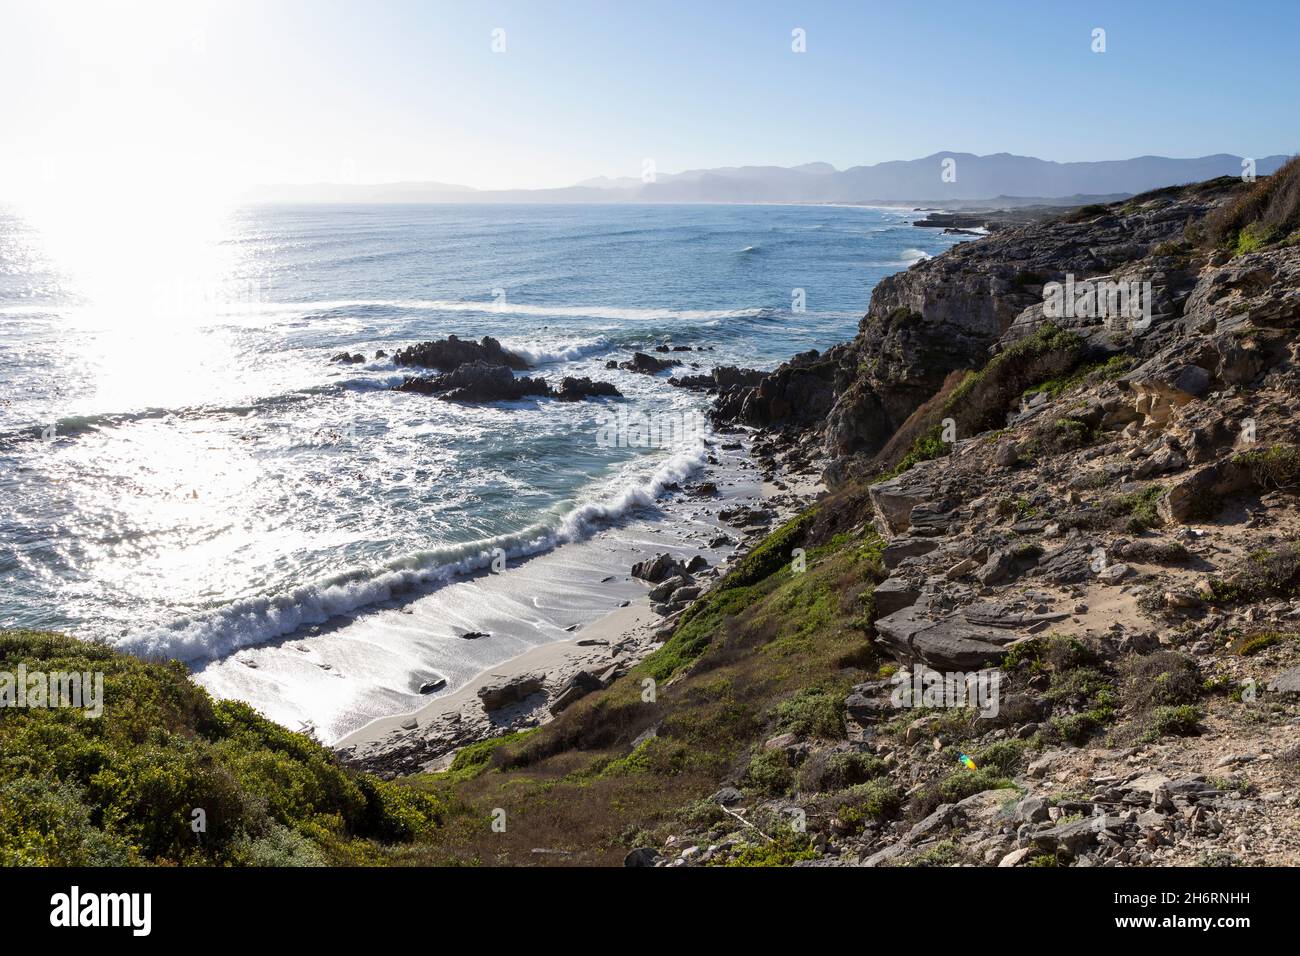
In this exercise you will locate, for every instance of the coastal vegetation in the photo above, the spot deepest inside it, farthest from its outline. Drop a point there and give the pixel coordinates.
(166, 776)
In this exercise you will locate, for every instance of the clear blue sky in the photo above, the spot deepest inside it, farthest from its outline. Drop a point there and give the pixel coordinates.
(384, 90)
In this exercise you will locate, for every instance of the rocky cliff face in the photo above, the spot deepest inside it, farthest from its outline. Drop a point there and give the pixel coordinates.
(948, 313)
(1048, 615)
(1103, 517)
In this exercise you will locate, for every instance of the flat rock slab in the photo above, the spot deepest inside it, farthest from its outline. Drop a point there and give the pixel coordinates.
(894, 594)
(949, 644)
(1000, 615)
(900, 549)
(893, 500)
(1287, 682)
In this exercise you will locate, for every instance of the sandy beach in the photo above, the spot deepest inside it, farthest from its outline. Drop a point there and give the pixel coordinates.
(426, 736)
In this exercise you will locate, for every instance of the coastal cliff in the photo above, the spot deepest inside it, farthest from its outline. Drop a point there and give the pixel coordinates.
(1081, 517)
(1086, 519)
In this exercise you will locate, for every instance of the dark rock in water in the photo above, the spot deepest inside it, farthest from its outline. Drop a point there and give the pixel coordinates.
(611, 364)
(474, 635)
(705, 489)
(721, 379)
(648, 364)
(658, 568)
(511, 691)
(380, 354)
(450, 353)
(696, 383)
(697, 563)
(480, 382)
(477, 382)
(428, 687)
(575, 389)
(801, 392)
(348, 359)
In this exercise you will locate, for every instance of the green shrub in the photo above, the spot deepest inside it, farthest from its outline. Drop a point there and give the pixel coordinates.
(769, 773)
(1180, 721)
(1276, 467)
(874, 800)
(1160, 679)
(122, 788)
(785, 849)
(1004, 758)
(813, 712)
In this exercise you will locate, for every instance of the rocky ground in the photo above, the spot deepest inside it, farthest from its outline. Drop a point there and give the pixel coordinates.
(1105, 515)
(1047, 612)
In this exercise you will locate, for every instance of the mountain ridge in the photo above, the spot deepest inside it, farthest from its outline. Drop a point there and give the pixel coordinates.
(944, 177)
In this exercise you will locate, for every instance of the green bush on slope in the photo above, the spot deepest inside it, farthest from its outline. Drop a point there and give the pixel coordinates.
(122, 788)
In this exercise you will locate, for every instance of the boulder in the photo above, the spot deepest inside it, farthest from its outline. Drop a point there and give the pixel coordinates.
(1199, 493)
(575, 389)
(510, 691)
(579, 685)
(893, 500)
(894, 594)
(900, 549)
(949, 644)
(1073, 837)
(448, 354)
(665, 589)
(648, 364)
(659, 568)
(642, 856)
(1287, 682)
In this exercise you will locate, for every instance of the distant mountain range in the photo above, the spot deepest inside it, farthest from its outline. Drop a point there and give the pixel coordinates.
(971, 178)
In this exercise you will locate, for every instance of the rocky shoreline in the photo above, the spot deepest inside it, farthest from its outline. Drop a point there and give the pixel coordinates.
(530, 690)
(1090, 511)
(1105, 512)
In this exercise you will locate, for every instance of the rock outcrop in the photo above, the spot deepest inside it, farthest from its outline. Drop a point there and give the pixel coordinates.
(481, 382)
(450, 353)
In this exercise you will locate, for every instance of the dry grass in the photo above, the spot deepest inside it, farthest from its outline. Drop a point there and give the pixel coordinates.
(577, 785)
(1266, 213)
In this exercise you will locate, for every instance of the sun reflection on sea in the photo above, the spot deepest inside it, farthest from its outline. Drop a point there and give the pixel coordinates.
(152, 279)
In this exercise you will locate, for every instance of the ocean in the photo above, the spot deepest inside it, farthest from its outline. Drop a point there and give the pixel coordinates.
(185, 473)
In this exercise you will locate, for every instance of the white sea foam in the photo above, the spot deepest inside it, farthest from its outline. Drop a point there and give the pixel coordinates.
(634, 314)
(210, 635)
(535, 354)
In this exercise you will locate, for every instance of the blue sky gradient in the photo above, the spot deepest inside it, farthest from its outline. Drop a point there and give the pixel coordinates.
(388, 90)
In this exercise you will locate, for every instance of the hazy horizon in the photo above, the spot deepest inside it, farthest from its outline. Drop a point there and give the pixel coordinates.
(148, 97)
